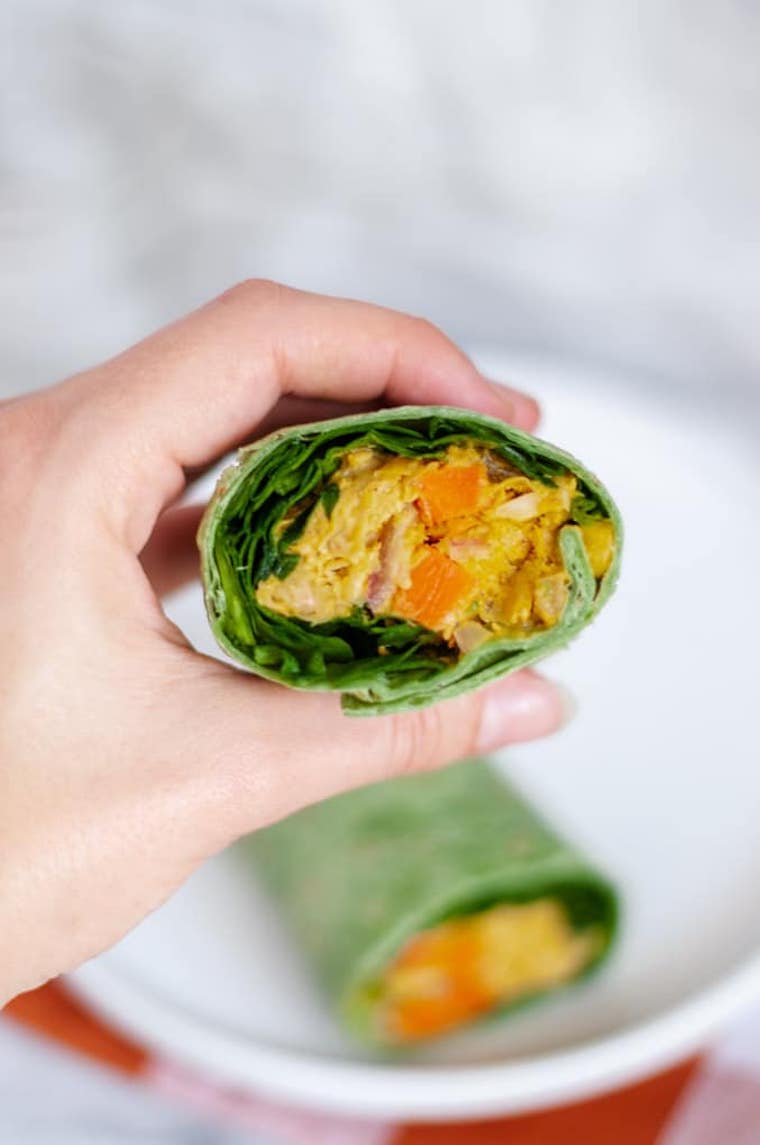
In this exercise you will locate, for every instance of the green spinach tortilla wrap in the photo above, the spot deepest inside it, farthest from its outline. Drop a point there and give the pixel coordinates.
(404, 556)
(426, 902)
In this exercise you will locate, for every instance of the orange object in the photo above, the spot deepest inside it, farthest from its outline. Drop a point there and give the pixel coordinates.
(632, 1116)
(52, 1011)
(438, 585)
(452, 955)
(450, 491)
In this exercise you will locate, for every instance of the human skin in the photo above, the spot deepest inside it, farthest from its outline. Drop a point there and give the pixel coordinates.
(126, 757)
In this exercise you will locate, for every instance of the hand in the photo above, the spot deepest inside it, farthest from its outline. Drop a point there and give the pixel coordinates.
(126, 757)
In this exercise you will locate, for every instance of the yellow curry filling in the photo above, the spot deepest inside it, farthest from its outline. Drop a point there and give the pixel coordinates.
(462, 544)
(463, 968)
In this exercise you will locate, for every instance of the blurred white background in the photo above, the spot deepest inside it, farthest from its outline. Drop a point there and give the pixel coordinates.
(580, 178)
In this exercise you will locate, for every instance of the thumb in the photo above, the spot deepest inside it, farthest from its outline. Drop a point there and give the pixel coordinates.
(283, 750)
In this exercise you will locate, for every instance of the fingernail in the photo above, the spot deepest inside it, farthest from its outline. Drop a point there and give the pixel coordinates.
(521, 708)
(518, 408)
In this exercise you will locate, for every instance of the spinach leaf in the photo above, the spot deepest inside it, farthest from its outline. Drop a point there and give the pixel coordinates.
(329, 498)
(585, 508)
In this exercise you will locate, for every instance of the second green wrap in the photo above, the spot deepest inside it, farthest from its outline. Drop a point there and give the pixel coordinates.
(360, 875)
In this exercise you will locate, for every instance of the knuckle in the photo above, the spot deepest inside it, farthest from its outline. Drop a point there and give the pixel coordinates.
(419, 740)
(435, 735)
(253, 292)
(426, 329)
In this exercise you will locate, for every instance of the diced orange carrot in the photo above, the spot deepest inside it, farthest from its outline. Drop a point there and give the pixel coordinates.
(436, 984)
(438, 585)
(449, 491)
(413, 1018)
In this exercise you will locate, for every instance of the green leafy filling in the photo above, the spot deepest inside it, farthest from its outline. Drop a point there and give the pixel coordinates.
(585, 508)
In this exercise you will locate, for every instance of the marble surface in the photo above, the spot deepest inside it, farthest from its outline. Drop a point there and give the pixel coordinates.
(582, 179)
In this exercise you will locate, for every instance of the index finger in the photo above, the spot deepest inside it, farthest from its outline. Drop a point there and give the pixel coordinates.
(186, 394)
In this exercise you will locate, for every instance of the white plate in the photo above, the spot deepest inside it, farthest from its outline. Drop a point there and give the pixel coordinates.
(658, 776)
